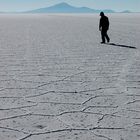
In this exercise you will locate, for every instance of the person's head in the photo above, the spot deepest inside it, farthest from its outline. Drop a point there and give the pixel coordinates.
(102, 14)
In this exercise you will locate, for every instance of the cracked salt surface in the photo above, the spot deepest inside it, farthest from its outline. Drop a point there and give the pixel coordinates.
(58, 82)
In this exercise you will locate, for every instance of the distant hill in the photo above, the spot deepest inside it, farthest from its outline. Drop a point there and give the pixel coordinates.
(126, 11)
(66, 8)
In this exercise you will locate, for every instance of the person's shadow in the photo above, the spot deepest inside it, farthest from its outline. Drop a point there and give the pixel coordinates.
(120, 45)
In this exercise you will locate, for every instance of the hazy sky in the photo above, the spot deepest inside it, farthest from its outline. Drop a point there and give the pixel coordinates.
(23, 5)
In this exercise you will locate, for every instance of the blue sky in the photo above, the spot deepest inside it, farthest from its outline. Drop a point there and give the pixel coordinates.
(23, 5)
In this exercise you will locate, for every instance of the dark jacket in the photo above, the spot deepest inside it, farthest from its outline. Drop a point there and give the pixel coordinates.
(104, 23)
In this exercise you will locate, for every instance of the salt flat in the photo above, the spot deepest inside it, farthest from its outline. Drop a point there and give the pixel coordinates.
(57, 82)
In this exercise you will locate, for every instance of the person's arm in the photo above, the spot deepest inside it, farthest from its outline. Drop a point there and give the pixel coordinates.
(100, 26)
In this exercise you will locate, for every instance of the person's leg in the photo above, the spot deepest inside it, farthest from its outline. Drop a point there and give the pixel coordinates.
(106, 36)
(103, 36)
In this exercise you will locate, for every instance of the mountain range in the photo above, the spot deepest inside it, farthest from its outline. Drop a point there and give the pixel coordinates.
(66, 8)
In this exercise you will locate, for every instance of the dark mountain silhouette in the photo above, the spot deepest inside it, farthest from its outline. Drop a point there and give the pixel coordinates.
(66, 8)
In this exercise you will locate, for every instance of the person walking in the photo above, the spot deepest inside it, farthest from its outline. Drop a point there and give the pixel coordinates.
(104, 27)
